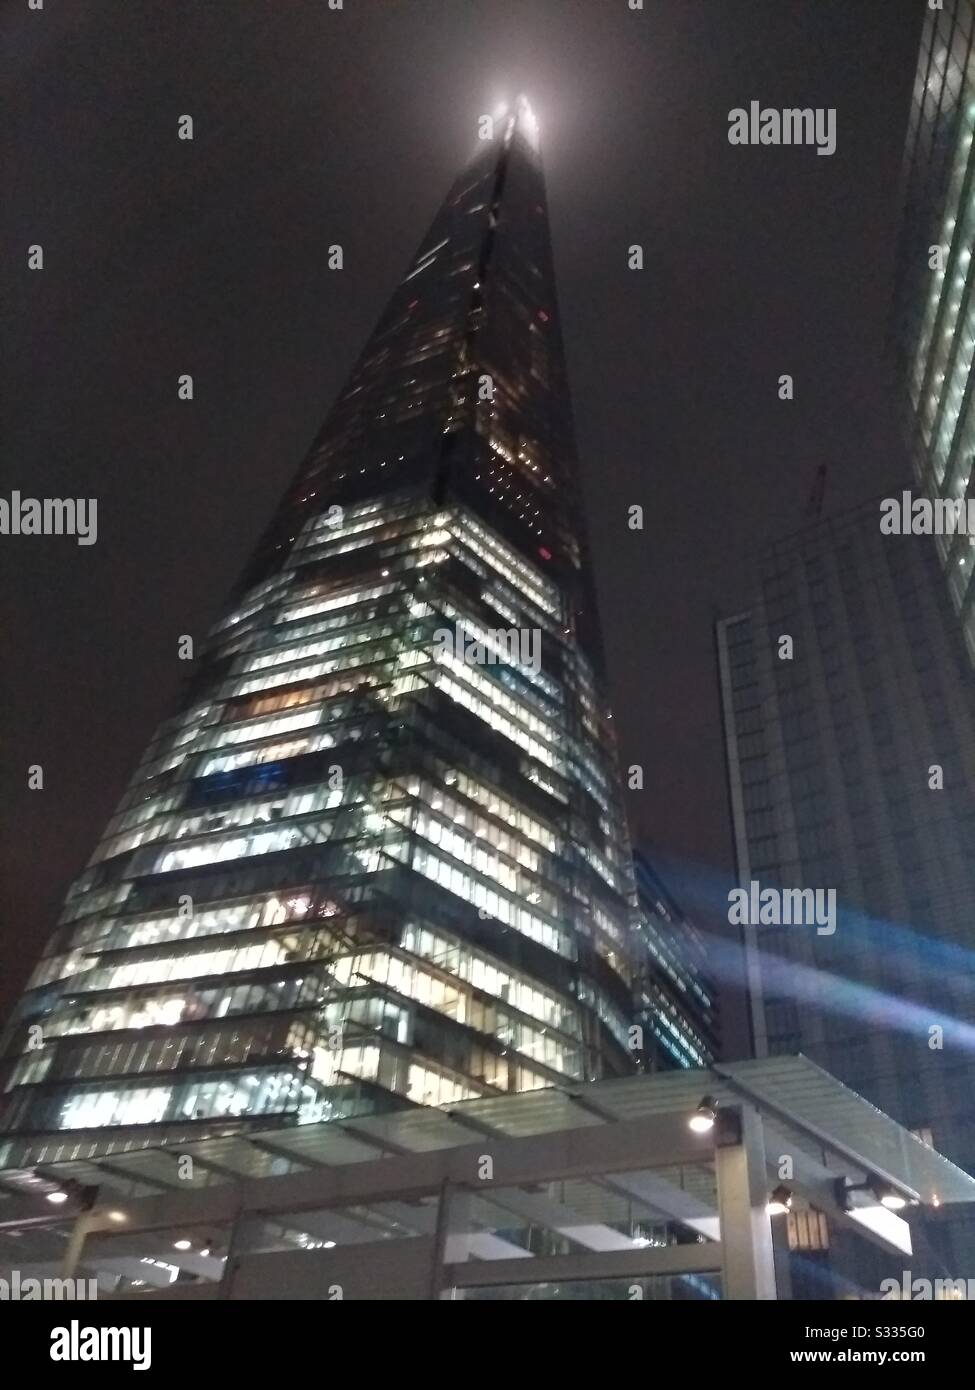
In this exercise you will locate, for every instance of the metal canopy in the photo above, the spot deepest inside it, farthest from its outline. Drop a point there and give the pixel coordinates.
(797, 1093)
(801, 1104)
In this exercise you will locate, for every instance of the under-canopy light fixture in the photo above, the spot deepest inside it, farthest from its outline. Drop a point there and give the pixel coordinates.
(884, 1194)
(704, 1116)
(72, 1190)
(780, 1201)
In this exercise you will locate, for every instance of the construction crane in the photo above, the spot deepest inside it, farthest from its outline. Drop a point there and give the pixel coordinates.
(814, 507)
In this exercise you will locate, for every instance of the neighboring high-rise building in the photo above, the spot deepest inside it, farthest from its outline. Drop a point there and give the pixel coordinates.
(849, 711)
(934, 328)
(676, 1003)
(377, 856)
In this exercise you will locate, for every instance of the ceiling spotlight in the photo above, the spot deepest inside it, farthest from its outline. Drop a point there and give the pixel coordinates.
(182, 1244)
(779, 1202)
(704, 1116)
(117, 1216)
(73, 1190)
(873, 1192)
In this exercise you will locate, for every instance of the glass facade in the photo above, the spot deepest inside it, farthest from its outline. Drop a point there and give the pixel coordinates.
(676, 1001)
(364, 866)
(934, 330)
(852, 769)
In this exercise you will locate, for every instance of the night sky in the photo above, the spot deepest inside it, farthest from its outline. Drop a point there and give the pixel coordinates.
(315, 126)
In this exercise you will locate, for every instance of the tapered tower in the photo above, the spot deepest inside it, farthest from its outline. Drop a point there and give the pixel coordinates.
(377, 856)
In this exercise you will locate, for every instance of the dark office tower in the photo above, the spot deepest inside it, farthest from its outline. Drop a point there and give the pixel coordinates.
(377, 857)
(934, 331)
(851, 757)
(676, 1001)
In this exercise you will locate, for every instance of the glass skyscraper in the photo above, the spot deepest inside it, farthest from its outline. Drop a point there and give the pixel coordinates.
(851, 762)
(934, 329)
(377, 857)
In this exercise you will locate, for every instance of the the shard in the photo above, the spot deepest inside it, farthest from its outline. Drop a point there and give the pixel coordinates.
(377, 857)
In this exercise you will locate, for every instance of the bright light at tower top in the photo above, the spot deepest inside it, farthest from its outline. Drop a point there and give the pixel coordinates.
(518, 116)
(527, 121)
